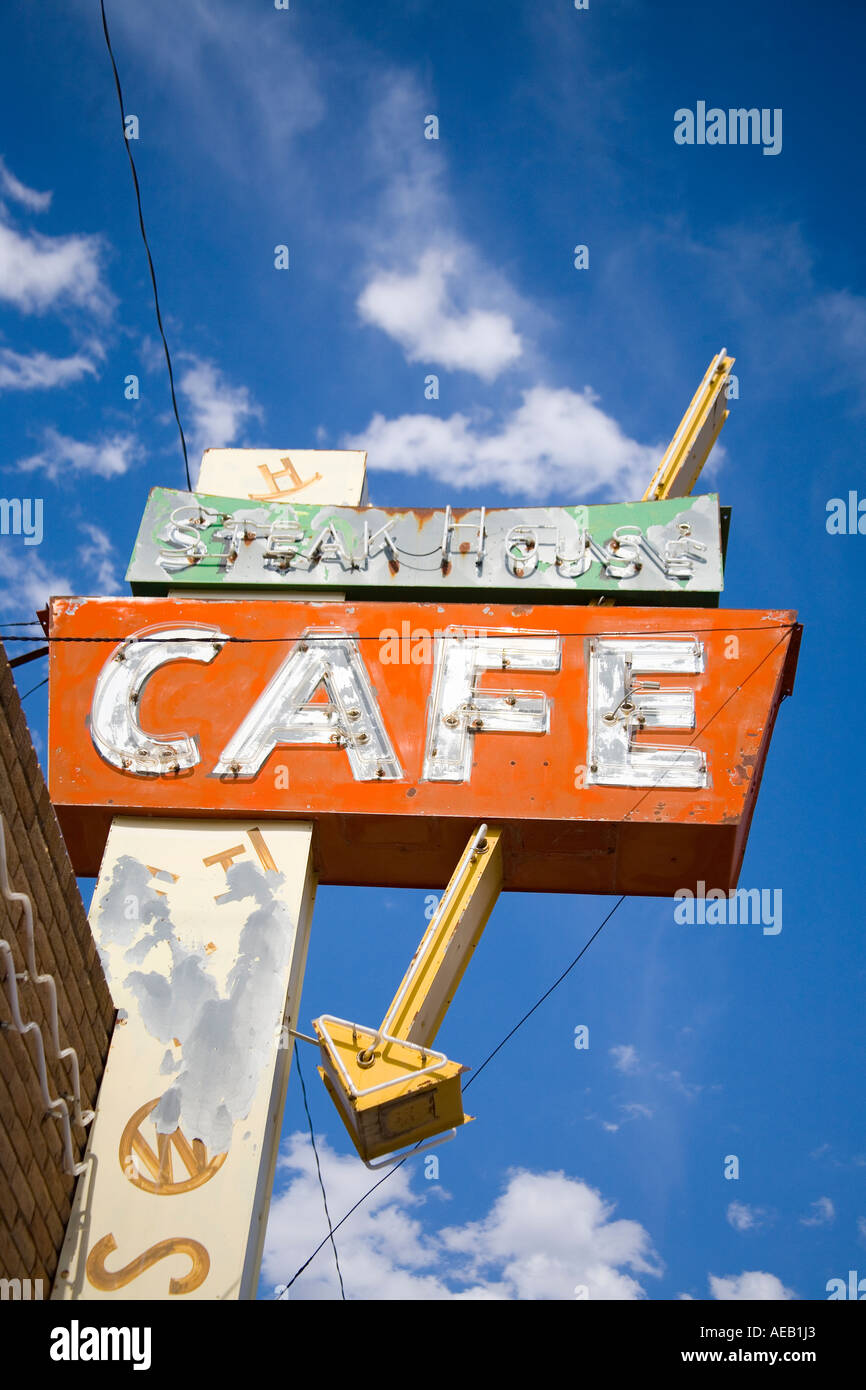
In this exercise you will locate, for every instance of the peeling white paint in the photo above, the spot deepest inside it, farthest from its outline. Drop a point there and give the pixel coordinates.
(226, 1030)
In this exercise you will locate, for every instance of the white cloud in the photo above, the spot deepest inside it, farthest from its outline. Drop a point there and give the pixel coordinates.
(218, 410)
(823, 1212)
(743, 1217)
(625, 1058)
(544, 1236)
(27, 581)
(37, 371)
(419, 309)
(99, 557)
(407, 171)
(383, 1252)
(844, 315)
(234, 79)
(40, 272)
(14, 188)
(548, 1233)
(764, 279)
(632, 1110)
(152, 353)
(556, 442)
(751, 1284)
(60, 456)
(426, 284)
(689, 1089)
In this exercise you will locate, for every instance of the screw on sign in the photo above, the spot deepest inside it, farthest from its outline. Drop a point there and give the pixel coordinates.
(189, 707)
(579, 749)
(648, 552)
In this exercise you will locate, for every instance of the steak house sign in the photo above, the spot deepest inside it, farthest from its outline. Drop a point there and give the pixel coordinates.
(668, 551)
(620, 748)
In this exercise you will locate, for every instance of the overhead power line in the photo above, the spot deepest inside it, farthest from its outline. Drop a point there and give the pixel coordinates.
(146, 243)
(319, 1171)
(689, 630)
(546, 995)
(38, 686)
(284, 1288)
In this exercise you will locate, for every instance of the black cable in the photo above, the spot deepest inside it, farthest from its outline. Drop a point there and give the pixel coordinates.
(146, 244)
(537, 1005)
(319, 1171)
(399, 1164)
(284, 1288)
(333, 1229)
(547, 993)
(377, 637)
(32, 688)
(713, 716)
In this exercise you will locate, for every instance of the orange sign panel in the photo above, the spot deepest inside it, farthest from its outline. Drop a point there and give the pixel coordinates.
(619, 748)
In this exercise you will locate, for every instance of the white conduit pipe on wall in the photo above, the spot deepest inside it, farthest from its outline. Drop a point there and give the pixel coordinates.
(57, 1106)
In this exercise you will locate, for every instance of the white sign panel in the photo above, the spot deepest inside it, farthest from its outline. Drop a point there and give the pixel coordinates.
(203, 936)
(338, 476)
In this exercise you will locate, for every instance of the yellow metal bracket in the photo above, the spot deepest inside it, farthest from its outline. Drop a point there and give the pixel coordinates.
(392, 1089)
(696, 434)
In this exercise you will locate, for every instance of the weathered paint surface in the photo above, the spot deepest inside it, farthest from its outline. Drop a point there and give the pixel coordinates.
(203, 937)
(667, 551)
(561, 830)
(286, 475)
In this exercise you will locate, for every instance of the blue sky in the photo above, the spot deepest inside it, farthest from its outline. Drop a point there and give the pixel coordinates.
(455, 257)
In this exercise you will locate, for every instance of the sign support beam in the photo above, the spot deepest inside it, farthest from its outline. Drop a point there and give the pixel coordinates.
(391, 1089)
(695, 435)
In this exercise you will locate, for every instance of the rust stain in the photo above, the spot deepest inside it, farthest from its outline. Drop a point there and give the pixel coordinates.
(211, 703)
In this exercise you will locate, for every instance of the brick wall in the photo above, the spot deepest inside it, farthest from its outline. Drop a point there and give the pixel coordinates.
(35, 1192)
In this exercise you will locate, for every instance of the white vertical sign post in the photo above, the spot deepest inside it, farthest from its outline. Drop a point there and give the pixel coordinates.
(203, 930)
(203, 927)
